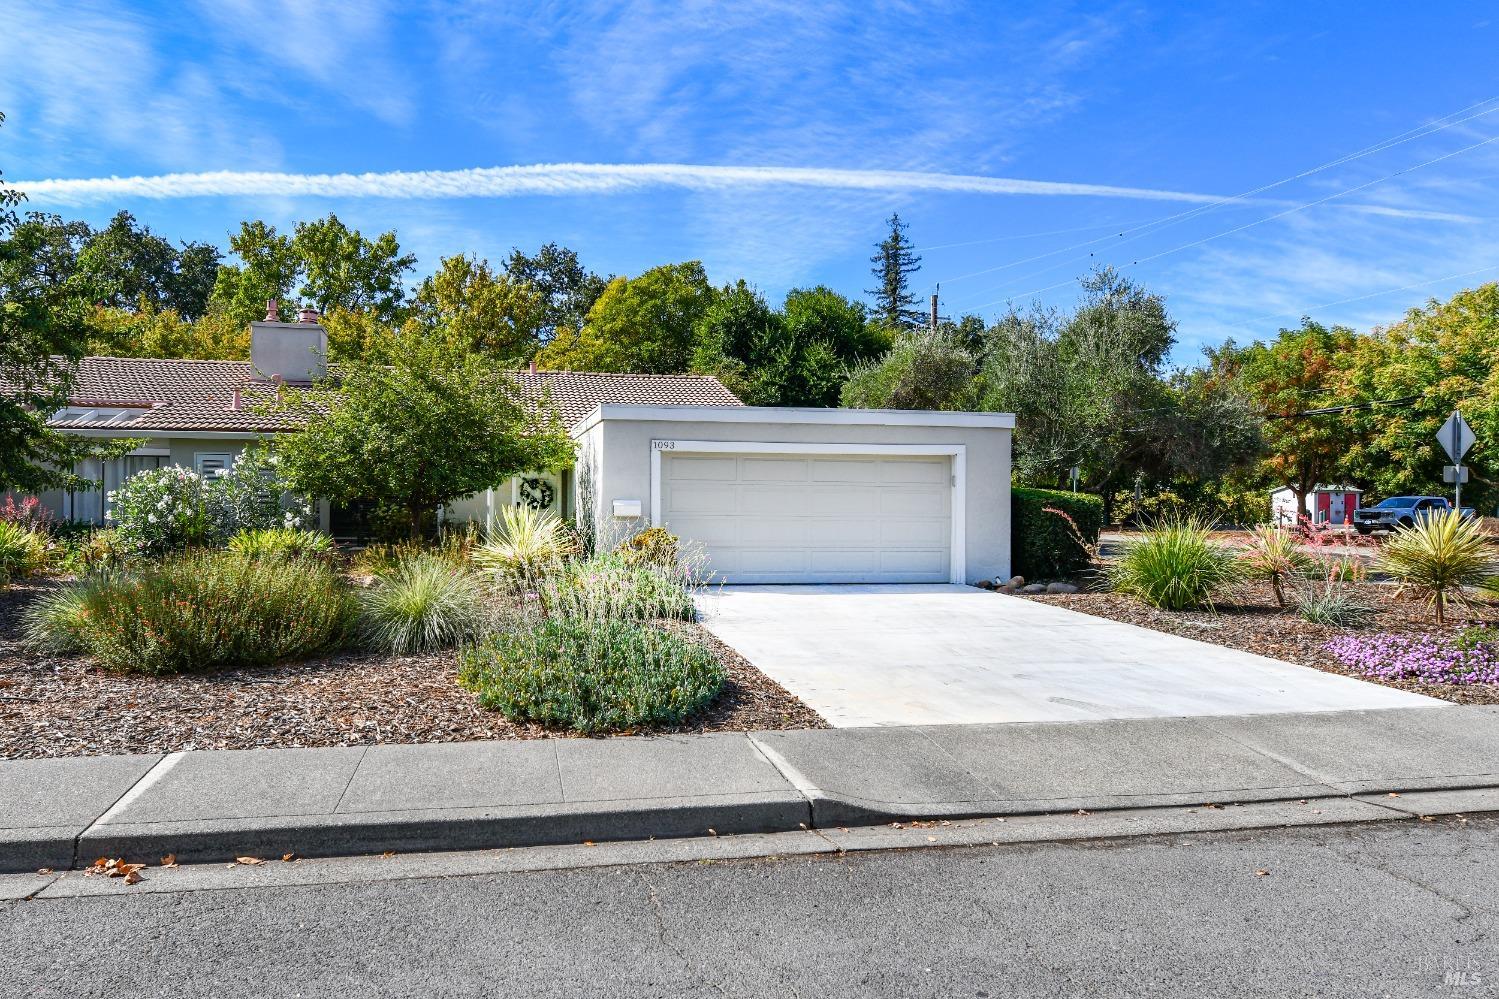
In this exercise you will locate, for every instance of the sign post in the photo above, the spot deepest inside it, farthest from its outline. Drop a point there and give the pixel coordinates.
(1456, 437)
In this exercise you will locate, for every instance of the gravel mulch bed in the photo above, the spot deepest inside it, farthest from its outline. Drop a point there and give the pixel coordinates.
(66, 707)
(1247, 618)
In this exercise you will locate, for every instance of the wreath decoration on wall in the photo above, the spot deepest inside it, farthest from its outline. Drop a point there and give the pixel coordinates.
(537, 494)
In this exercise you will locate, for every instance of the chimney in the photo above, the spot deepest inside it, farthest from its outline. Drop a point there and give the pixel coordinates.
(238, 402)
(272, 311)
(307, 315)
(533, 365)
(290, 352)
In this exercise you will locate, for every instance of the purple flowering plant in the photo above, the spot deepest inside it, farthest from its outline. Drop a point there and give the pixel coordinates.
(1465, 657)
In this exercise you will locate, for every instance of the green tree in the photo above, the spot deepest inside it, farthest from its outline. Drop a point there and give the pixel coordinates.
(1409, 377)
(645, 324)
(568, 289)
(492, 313)
(894, 262)
(419, 425)
(923, 370)
(1288, 379)
(42, 335)
(149, 331)
(728, 335)
(268, 269)
(126, 264)
(341, 268)
(1081, 384)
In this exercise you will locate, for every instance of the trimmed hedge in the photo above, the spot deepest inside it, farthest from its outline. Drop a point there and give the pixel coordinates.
(1044, 545)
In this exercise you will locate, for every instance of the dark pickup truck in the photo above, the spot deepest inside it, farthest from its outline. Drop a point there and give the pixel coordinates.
(1400, 511)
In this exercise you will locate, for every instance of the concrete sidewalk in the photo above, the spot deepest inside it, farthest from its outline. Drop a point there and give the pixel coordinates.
(206, 806)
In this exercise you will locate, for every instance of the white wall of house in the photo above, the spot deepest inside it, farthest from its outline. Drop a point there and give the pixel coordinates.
(810, 495)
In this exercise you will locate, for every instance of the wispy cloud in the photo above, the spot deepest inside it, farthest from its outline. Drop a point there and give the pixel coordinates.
(564, 179)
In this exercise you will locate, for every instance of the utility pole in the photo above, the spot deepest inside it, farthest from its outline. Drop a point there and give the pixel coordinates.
(934, 311)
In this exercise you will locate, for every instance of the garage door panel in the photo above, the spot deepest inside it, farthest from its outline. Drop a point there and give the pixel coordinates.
(845, 470)
(702, 497)
(756, 499)
(914, 560)
(908, 502)
(922, 472)
(774, 531)
(907, 532)
(711, 532)
(840, 501)
(791, 560)
(767, 518)
(690, 467)
(772, 470)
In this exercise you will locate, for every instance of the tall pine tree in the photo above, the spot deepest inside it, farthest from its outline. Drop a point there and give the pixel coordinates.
(894, 263)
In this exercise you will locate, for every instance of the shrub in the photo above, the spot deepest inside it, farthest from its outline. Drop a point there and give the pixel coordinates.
(1046, 543)
(207, 610)
(653, 546)
(592, 675)
(524, 546)
(609, 587)
(1174, 565)
(1471, 656)
(1273, 555)
(98, 550)
(27, 513)
(281, 543)
(425, 602)
(1333, 606)
(161, 510)
(23, 551)
(1438, 557)
(251, 496)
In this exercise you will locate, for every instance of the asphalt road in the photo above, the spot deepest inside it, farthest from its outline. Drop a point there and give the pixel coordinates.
(1381, 909)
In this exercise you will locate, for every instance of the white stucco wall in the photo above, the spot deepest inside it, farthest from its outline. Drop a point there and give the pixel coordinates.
(619, 439)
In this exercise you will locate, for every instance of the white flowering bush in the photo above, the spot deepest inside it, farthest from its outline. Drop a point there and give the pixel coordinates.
(251, 496)
(161, 510)
(170, 509)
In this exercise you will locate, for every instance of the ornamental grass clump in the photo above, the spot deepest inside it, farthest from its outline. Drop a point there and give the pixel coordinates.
(280, 543)
(1438, 557)
(592, 676)
(202, 611)
(23, 550)
(58, 623)
(1174, 565)
(1469, 657)
(424, 603)
(616, 588)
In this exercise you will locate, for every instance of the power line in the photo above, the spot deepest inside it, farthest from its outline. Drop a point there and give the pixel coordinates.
(1268, 218)
(1360, 298)
(1420, 131)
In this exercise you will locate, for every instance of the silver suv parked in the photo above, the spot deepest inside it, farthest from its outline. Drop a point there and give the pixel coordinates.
(1400, 511)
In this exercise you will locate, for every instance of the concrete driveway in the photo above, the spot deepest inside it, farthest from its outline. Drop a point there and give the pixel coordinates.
(932, 655)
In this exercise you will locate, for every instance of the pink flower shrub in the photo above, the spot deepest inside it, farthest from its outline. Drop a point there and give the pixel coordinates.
(1470, 656)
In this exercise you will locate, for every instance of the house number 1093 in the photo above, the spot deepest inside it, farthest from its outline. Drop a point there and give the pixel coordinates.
(664, 445)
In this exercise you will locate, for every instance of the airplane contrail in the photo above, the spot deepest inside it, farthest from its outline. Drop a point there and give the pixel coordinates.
(570, 179)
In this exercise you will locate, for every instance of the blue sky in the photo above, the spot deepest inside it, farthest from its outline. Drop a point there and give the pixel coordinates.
(1117, 116)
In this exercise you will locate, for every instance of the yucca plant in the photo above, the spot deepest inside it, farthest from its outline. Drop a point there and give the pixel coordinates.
(1438, 557)
(1273, 555)
(1174, 565)
(523, 546)
(424, 603)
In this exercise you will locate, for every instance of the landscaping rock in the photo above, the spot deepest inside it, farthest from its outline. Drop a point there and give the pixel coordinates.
(1033, 588)
(1060, 588)
(1016, 582)
(985, 584)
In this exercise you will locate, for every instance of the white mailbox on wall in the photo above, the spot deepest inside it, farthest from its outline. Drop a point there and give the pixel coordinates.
(627, 508)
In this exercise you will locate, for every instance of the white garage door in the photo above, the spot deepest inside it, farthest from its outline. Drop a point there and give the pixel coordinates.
(767, 518)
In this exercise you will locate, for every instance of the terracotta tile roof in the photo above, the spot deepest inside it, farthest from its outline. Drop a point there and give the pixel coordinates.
(199, 395)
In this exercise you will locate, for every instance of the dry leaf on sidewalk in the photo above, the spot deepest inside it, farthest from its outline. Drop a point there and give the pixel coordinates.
(170, 860)
(248, 861)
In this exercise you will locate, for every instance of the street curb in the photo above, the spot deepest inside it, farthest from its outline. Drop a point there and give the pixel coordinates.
(441, 829)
